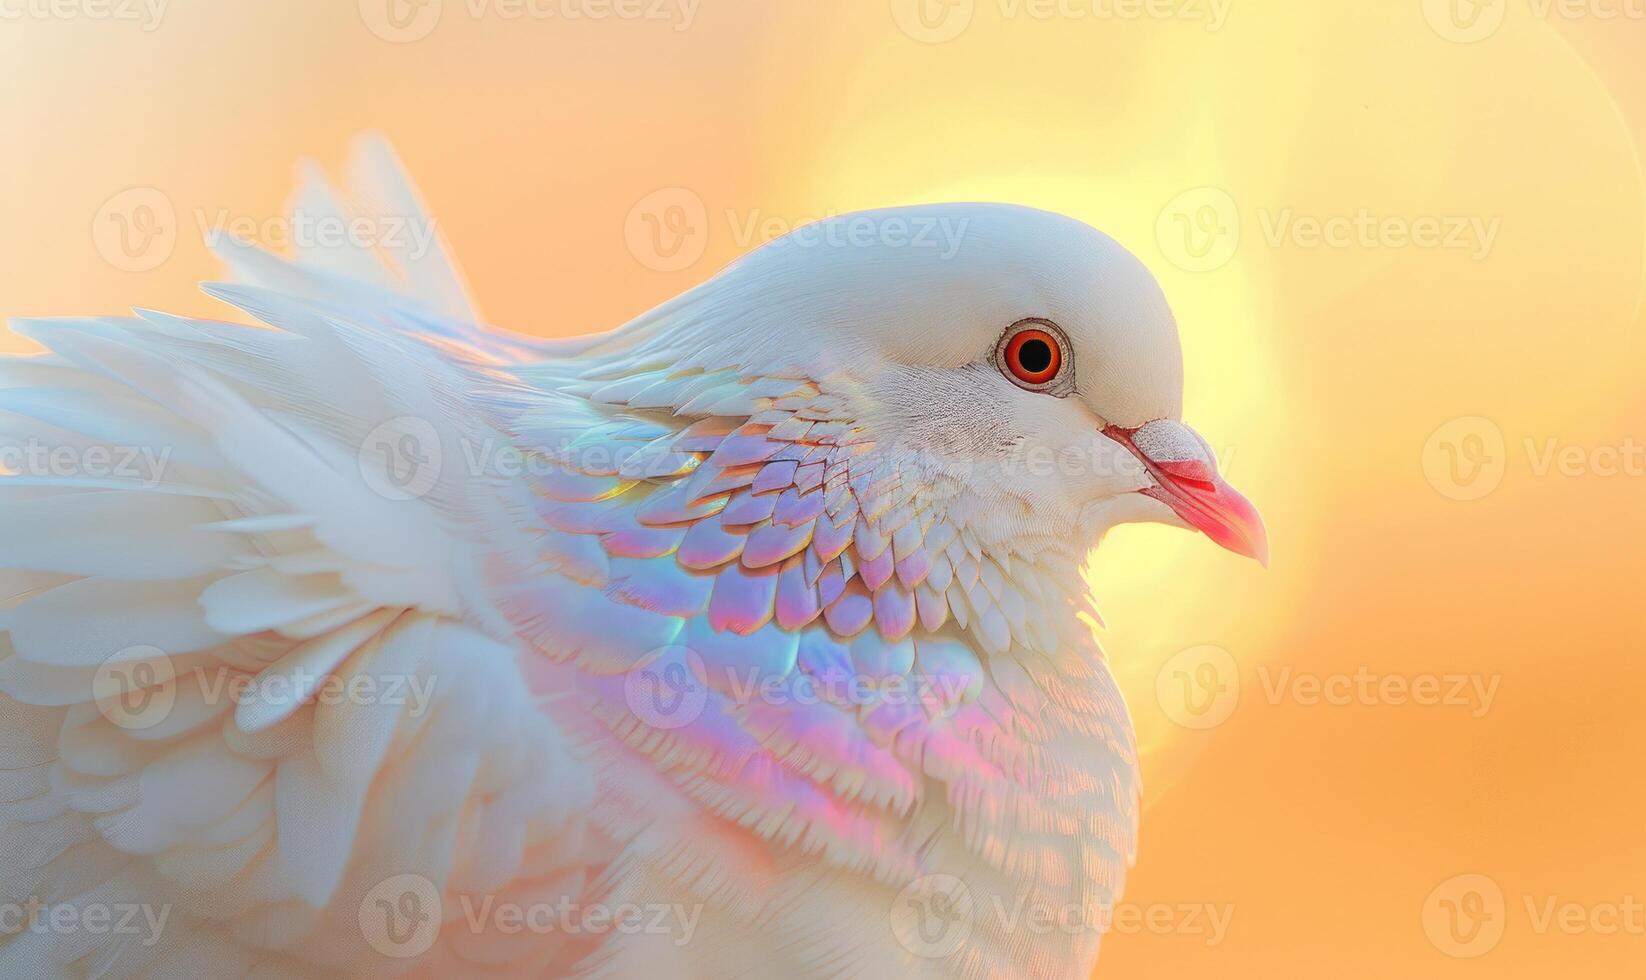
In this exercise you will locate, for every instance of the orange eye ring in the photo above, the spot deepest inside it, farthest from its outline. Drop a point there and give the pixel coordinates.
(1032, 356)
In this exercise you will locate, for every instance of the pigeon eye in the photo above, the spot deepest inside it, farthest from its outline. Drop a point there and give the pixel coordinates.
(1031, 353)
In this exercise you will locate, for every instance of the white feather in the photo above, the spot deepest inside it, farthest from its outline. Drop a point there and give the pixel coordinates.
(499, 619)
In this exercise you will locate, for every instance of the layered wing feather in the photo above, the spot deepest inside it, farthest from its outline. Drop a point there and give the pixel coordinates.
(253, 688)
(243, 687)
(877, 690)
(371, 490)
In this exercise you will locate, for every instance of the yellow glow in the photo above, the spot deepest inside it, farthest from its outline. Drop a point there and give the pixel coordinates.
(1318, 371)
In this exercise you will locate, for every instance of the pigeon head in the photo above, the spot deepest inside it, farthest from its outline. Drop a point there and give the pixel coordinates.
(1015, 353)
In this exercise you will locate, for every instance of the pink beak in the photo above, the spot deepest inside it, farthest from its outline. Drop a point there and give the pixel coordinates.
(1187, 482)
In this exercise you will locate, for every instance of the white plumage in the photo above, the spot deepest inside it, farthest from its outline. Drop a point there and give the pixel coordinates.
(382, 634)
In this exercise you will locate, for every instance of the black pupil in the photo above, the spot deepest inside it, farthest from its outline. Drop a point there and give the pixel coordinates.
(1035, 356)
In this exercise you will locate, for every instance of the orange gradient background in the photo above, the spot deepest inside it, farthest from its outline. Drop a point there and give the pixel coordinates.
(1319, 371)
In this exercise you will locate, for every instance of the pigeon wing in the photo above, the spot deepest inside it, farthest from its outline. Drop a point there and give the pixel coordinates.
(250, 672)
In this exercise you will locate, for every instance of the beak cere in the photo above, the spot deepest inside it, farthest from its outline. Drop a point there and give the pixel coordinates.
(1186, 480)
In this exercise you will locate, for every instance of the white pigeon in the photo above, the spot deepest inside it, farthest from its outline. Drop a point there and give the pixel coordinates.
(749, 638)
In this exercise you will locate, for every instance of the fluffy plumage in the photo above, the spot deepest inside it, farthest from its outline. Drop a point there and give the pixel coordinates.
(798, 496)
